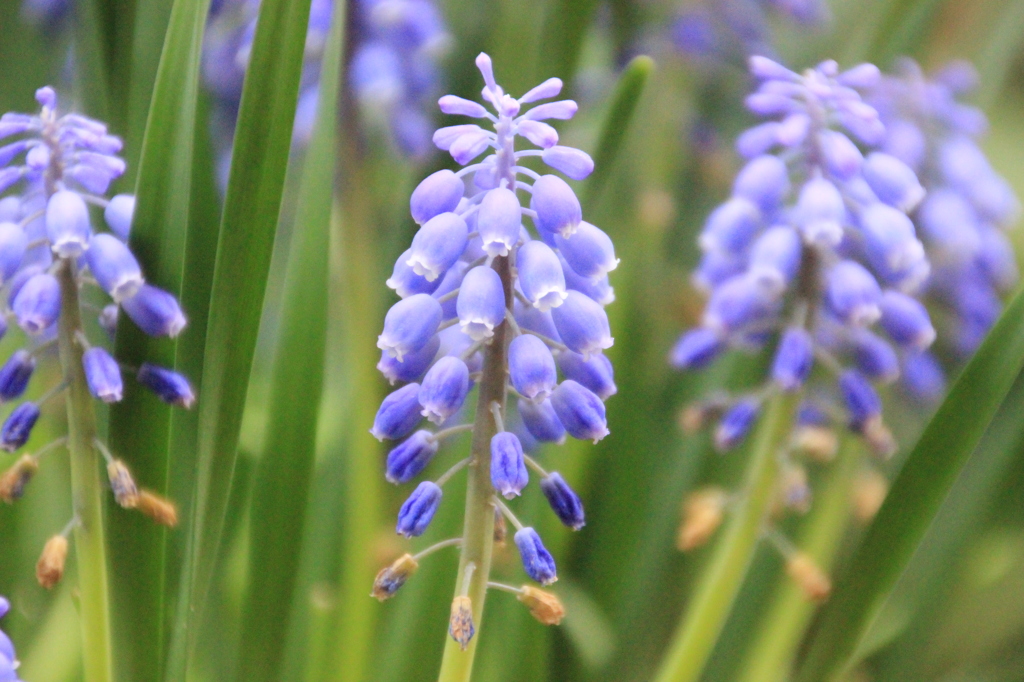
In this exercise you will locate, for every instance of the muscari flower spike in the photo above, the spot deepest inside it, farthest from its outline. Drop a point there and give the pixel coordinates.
(8, 657)
(56, 170)
(455, 301)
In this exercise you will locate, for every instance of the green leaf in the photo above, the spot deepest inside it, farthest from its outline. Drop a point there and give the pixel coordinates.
(566, 28)
(245, 243)
(916, 496)
(282, 482)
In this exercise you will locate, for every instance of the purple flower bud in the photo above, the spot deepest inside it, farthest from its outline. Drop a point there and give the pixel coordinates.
(696, 349)
(860, 398)
(406, 282)
(12, 249)
(9, 176)
(438, 244)
(558, 209)
(37, 303)
(997, 259)
(451, 281)
(714, 268)
(546, 90)
(923, 377)
(757, 140)
(861, 119)
(573, 162)
(540, 275)
(15, 374)
(821, 212)
(541, 421)
(563, 500)
(793, 359)
(18, 426)
(852, 293)
(486, 67)
(581, 412)
(737, 303)
(103, 375)
(418, 511)
(735, 424)
(169, 386)
(531, 367)
(731, 227)
(589, 251)
(874, 357)
(119, 213)
(766, 69)
(842, 157)
(769, 103)
(107, 319)
(775, 259)
(444, 389)
(409, 325)
(892, 248)
(438, 193)
(155, 311)
(582, 324)
(8, 152)
(457, 106)
(793, 129)
(114, 266)
(444, 138)
(906, 142)
(541, 134)
(537, 561)
(906, 321)
(412, 366)
(499, 221)
(67, 224)
(481, 303)
(398, 415)
(468, 146)
(508, 467)
(950, 224)
(532, 319)
(410, 457)
(764, 181)
(595, 373)
(893, 181)
(562, 110)
(861, 77)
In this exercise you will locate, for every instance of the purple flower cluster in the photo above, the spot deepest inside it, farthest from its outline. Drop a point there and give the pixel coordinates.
(814, 247)
(963, 217)
(453, 300)
(62, 166)
(8, 659)
(393, 72)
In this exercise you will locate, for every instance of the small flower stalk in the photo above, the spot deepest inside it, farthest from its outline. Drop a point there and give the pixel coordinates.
(517, 314)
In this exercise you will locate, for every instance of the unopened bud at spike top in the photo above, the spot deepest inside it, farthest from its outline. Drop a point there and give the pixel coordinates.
(16, 478)
(391, 578)
(50, 567)
(545, 606)
(460, 624)
(809, 577)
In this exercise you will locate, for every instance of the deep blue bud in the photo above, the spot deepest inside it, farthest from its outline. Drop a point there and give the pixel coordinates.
(893, 181)
(103, 375)
(67, 224)
(412, 366)
(418, 511)
(438, 244)
(541, 276)
(499, 221)
(906, 321)
(119, 213)
(874, 357)
(531, 367)
(37, 303)
(398, 415)
(438, 193)
(735, 424)
(696, 349)
(580, 411)
(574, 163)
(15, 375)
(18, 426)
(406, 282)
(13, 243)
(589, 251)
(563, 500)
(859, 397)
(541, 421)
(595, 373)
(481, 303)
(169, 386)
(558, 209)
(508, 467)
(793, 359)
(537, 561)
(582, 324)
(852, 293)
(410, 457)
(730, 227)
(444, 389)
(155, 311)
(775, 259)
(764, 181)
(409, 325)
(114, 266)
(820, 213)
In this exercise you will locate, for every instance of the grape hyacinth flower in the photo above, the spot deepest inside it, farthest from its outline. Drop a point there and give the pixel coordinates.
(964, 216)
(488, 304)
(8, 658)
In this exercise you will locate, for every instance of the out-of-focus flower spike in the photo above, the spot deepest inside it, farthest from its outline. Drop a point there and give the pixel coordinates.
(793, 359)
(736, 424)
(696, 349)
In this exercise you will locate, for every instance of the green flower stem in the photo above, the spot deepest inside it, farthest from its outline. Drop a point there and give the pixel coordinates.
(710, 606)
(478, 528)
(87, 488)
(790, 612)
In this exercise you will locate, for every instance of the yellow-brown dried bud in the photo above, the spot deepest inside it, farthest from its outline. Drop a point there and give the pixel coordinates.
(815, 585)
(158, 508)
(14, 480)
(795, 491)
(460, 625)
(703, 512)
(391, 578)
(869, 491)
(544, 606)
(820, 443)
(126, 493)
(500, 528)
(693, 418)
(879, 438)
(50, 567)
